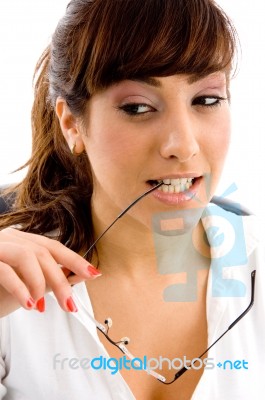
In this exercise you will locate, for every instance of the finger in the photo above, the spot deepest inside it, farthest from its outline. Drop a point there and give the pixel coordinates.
(36, 269)
(55, 278)
(25, 265)
(64, 256)
(74, 280)
(13, 285)
(71, 277)
(49, 271)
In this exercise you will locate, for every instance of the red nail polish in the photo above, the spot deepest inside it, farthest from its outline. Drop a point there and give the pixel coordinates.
(30, 302)
(71, 305)
(40, 305)
(93, 272)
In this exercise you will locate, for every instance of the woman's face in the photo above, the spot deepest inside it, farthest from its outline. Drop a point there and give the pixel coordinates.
(138, 133)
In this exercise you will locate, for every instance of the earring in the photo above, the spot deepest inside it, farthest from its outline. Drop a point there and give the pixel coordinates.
(72, 149)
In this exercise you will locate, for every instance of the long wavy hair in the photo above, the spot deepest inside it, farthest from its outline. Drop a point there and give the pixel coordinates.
(98, 43)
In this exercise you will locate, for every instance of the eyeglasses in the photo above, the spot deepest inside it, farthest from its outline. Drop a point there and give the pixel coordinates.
(123, 342)
(121, 214)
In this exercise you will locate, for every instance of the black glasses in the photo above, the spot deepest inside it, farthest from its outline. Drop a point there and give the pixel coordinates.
(121, 214)
(123, 342)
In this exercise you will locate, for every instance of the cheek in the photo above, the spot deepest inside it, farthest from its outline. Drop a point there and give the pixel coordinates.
(111, 150)
(218, 150)
(217, 142)
(216, 147)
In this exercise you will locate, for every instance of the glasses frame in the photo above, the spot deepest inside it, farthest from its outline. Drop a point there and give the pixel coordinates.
(123, 342)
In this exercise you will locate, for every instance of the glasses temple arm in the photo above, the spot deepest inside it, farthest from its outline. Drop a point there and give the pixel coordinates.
(253, 277)
(121, 214)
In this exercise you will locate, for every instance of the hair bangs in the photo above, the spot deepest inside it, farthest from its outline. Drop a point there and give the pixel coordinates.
(160, 38)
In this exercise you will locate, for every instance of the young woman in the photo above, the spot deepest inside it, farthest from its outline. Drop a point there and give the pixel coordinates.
(131, 102)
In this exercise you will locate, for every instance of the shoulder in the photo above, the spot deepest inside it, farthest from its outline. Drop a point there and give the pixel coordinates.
(231, 206)
(237, 212)
(237, 243)
(232, 230)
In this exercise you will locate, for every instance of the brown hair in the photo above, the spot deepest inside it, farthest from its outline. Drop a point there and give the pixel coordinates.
(97, 43)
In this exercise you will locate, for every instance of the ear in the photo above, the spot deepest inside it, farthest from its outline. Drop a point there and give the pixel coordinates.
(69, 126)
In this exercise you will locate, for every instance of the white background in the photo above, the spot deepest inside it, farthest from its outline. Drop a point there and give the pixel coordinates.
(25, 29)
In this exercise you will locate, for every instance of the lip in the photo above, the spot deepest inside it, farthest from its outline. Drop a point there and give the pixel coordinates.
(179, 198)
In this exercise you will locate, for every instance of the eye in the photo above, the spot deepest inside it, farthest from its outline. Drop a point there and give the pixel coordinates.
(208, 101)
(135, 109)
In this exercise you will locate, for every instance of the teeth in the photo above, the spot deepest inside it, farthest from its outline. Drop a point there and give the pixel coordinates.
(175, 182)
(176, 185)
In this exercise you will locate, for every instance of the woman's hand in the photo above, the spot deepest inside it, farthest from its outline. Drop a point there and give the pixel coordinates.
(31, 265)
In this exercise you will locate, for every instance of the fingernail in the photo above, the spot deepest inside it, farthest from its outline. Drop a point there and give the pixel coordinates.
(30, 302)
(71, 305)
(93, 272)
(40, 304)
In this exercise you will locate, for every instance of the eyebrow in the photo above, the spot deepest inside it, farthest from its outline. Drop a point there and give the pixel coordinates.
(149, 80)
(191, 79)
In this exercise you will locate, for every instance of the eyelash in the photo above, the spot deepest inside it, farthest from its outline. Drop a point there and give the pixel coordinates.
(218, 101)
(129, 108)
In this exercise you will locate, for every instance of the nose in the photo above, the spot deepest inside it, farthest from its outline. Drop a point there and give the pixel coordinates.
(179, 137)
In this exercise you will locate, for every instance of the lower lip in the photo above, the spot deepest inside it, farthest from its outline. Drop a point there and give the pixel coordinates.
(178, 198)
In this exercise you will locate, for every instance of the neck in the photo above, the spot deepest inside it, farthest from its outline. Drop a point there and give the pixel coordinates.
(126, 245)
(132, 250)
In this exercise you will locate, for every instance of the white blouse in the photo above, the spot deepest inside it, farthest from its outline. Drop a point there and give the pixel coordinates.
(45, 356)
